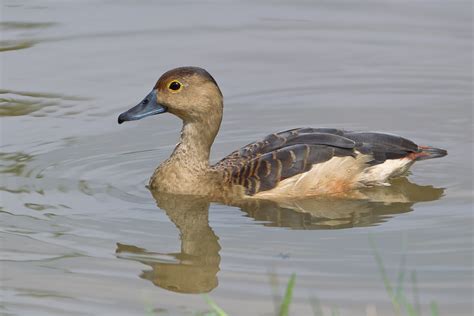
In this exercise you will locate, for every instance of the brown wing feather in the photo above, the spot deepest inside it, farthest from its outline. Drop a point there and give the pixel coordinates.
(264, 172)
(261, 165)
(317, 136)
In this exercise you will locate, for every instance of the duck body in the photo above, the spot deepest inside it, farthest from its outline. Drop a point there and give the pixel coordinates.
(321, 161)
(293, 163)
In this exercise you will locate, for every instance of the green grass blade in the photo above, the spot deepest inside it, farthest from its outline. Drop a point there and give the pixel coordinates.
(416, 297)
(285, 304)
(408, 307)
(149, 310)
(401, 274)
(383, 272)
(219, 311)
(316, 306)
(434, 309)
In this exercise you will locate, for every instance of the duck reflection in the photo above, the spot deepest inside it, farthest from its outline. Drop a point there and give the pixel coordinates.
(194, 269)
(366, 207)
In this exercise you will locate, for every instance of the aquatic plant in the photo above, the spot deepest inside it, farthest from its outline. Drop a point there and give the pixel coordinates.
(398, 297)
(397, 294)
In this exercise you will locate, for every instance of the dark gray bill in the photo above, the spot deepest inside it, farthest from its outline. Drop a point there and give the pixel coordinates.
(147, 107)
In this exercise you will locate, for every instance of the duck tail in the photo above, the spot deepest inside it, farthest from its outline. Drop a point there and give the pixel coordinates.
(427, 152)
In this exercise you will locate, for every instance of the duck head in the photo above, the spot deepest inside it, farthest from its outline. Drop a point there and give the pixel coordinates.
(187, 92)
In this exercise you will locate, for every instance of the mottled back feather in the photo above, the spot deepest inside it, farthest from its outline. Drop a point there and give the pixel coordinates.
(261, 165)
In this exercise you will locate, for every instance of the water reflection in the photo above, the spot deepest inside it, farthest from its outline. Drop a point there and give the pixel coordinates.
(363, 208)
(14, 163)
(14, 34)
(19, 103)
(16, 25)
(194, 269)
(15, 45)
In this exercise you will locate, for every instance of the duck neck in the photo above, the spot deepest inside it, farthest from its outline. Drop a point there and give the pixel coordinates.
(192, 152)
(187, 171)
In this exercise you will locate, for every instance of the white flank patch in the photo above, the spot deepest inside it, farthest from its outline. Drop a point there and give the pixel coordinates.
(333, 176)
(338, 175)
(379, 174)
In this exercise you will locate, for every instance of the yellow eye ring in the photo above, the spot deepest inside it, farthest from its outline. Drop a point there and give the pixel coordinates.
(175, 86)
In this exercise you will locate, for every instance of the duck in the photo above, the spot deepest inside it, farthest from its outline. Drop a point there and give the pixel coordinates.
(300, 162)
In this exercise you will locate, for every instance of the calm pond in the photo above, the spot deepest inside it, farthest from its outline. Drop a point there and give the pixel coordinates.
(82, 235)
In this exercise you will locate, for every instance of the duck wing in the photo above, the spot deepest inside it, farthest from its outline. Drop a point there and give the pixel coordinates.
(261, 165)
(382, 146)
(319, 136)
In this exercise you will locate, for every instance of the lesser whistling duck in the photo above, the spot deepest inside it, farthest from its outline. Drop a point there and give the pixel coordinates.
(293, 163)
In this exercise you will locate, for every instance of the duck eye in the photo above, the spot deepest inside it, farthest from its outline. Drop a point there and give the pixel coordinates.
(174, 85)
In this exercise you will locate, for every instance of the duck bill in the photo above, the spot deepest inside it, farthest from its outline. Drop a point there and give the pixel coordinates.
(148, 106)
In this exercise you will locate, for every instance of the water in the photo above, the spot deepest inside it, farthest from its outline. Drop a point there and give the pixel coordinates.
(81, 234)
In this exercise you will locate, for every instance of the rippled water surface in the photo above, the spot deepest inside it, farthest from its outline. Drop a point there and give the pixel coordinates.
(82, 235)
